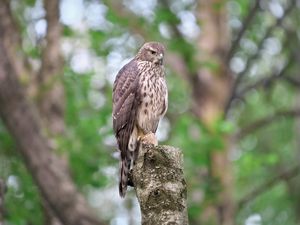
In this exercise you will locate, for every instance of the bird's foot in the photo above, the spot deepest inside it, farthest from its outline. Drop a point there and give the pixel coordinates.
(149, 139)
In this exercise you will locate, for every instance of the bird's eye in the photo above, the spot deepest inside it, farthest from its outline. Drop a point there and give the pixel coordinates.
(152, 52)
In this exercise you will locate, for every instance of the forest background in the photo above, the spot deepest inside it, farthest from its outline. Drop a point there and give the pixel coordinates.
(234, 100)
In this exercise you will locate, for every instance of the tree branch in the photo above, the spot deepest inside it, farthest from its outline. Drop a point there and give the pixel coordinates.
(176, 61)
(253, 57)
(50, 96)
(265, 121)
(51, 57)
(160, 185)
(49, 216)
(266, 80)
(9, 25)
(285, 175)
(133, 21)
(293, 81)
(48, 171)
(13, 41)
(245, 26)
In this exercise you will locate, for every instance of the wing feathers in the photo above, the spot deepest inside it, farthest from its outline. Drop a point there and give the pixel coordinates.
(125, 103)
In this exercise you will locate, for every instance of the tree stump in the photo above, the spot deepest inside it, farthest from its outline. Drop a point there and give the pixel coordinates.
(160, 186)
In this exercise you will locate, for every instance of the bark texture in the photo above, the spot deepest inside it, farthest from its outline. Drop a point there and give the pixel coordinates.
(213, 82)
(51, 96)
(13, 41)
(24, 125)
(50, 90)
(211, 90)
(160, 185)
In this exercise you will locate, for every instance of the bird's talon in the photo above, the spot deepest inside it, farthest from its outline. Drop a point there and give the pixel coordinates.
(149, 139)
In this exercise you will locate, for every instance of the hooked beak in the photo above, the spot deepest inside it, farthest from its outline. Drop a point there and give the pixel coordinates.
(160, 58)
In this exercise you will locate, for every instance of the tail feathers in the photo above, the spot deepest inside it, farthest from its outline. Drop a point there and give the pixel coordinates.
(124, 170)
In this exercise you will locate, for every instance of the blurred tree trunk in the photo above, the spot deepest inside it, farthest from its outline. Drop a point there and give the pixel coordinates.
(13, 41)
(49, 215)
(50, 96)
(46, 86)
(50, 90)
(211, 90)
(48, 171)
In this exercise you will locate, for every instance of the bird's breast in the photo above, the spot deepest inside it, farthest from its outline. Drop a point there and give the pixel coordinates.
(154, 98)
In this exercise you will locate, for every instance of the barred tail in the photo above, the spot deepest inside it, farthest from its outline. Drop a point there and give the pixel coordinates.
(124, 170)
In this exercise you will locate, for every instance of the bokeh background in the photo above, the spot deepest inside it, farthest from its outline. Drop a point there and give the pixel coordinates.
(233, 77)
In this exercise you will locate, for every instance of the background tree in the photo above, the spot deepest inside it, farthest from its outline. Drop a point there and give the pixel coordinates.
(234, 103)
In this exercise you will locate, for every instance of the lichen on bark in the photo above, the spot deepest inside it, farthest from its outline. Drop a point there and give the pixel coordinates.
(160, 186)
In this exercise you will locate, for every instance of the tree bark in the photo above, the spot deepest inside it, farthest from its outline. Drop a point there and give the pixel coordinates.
(48, 171)
(211, 89)
(51, 96)
(49, 216)
(13, 41)
(214, 80)
(160, 185)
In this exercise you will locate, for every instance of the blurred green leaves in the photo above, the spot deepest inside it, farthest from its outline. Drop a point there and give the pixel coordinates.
(87, 143)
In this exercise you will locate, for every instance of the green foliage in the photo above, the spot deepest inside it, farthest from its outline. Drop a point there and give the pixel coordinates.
(256, 158)
(165, 14)
(23, 200)
(83, 145)
(22, 197)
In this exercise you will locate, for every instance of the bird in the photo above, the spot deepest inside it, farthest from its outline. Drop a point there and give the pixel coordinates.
(140, 100)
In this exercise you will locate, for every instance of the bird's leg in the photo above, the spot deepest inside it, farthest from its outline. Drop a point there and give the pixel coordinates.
(149, 139)
(142, 138)
(145, 139)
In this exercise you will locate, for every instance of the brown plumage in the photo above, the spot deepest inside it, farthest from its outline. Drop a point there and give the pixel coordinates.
(140, 99)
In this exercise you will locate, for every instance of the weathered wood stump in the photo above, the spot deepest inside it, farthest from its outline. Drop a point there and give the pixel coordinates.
(160, 186)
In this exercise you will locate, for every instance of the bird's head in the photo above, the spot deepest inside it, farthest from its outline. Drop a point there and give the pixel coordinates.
(152, 52)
